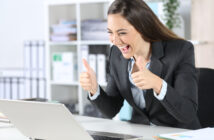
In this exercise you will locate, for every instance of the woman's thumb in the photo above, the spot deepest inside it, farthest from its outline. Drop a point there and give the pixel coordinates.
(86, 65)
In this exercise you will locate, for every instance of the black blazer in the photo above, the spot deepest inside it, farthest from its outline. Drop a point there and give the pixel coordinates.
(174, 62)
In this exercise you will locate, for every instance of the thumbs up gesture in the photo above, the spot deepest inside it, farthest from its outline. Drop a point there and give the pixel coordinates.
(88, 79)
(145, 79)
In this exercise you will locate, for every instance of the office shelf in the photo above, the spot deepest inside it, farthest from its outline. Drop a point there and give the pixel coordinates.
(71, 83)
(94, 42)
(75, 10)
(67, 43)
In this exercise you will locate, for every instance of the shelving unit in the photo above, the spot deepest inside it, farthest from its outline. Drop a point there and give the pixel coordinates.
(77, 10)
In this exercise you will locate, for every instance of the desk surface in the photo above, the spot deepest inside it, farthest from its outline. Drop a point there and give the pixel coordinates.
(106, 125)
(98, 124)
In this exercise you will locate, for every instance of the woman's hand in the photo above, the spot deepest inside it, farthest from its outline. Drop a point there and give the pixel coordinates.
(145, 79)
(88, 79)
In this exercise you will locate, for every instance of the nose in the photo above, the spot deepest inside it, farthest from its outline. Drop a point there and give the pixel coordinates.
(116, 40)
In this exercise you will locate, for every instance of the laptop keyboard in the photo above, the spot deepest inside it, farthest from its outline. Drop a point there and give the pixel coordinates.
(97, 137)
(109, 136)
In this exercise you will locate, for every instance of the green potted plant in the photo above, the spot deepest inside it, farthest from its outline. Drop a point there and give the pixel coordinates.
(171, 15)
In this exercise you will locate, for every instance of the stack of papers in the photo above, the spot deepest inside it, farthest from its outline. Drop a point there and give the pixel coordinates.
(200, 134)
(3, 118)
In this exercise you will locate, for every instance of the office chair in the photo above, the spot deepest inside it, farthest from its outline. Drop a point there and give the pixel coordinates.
(206, 97)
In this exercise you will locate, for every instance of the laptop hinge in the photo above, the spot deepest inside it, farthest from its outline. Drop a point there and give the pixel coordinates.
(35, 139)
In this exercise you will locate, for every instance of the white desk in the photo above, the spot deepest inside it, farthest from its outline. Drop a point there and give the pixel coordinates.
(98, 124)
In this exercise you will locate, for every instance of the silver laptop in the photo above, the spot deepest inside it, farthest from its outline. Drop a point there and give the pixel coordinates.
(48, 121)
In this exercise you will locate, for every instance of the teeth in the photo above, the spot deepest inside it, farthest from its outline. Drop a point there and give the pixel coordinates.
(123, 47)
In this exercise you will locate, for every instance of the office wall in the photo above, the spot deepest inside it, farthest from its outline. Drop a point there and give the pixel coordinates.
(185, 11)
(19, 20)
(202, 22)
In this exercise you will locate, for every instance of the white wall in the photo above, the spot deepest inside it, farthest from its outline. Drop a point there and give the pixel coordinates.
(185, 11)
(19, 20)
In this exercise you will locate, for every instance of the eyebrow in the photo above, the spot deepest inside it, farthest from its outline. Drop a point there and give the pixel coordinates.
(117, 30)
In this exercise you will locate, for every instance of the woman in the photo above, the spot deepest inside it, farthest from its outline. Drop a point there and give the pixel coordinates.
(150, 67)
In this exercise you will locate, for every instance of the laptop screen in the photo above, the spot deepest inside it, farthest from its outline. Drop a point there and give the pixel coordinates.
(50, 121)
(39, 120)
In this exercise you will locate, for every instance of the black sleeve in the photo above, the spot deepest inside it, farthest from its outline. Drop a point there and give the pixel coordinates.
(181, 98)
(109, 101)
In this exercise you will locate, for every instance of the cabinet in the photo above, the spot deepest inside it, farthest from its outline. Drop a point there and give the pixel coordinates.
(78, 13)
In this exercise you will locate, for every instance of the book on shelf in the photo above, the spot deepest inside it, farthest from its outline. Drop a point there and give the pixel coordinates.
(101, 68)
(64, 31)
(95, 35)
(84, 55)
(34, 72)
(92, 61)
(14, 89)
(94, 29)
(41, 58)
(7, 89)
(61, 38)
(64, 65)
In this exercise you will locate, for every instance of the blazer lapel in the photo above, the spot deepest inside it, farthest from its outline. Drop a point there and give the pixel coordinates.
(156, 67)
(125, 84)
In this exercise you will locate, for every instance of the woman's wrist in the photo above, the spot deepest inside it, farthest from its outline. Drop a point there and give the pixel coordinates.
(158, 85)
(93, 90)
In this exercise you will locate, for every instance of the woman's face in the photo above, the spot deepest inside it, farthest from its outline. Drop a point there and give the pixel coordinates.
(123, 35)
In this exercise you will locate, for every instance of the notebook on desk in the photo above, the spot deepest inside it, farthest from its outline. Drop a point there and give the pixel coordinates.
(50, 121)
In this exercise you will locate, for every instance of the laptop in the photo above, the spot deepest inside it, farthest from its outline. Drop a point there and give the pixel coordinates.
(50, 121)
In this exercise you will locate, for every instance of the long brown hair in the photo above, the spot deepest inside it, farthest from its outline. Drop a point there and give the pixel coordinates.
(139, 15)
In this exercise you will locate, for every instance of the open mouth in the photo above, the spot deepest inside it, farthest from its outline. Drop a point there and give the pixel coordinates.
(125, 48)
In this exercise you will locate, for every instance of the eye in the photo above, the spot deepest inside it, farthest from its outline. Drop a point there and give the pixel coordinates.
(109, 32)
(122, 33)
